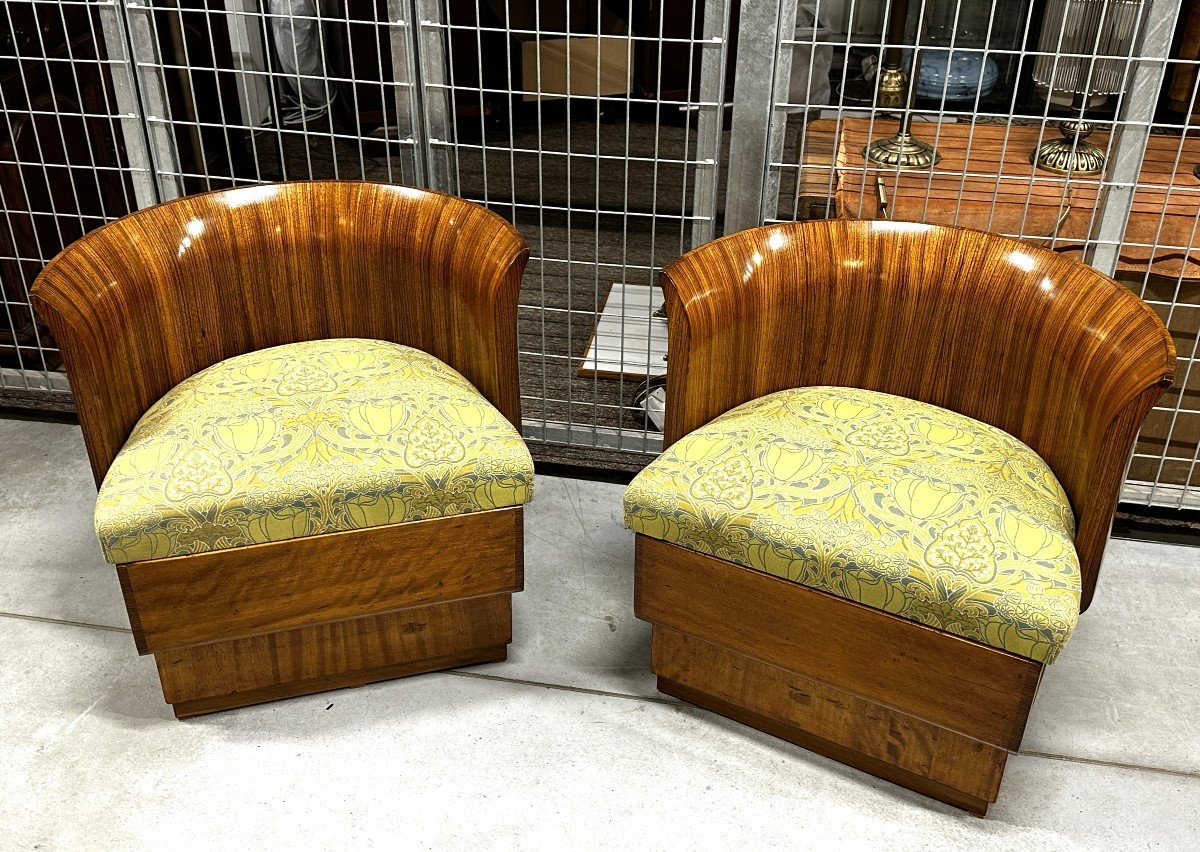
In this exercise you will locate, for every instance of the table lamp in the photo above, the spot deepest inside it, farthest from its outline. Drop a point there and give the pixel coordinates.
(1075, 35)
(901, 150)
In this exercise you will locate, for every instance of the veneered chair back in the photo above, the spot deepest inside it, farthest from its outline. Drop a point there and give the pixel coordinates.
(144, 302)
(1039, 345)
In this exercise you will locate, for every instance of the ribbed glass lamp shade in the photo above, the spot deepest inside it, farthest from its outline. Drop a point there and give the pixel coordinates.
(1100, 35)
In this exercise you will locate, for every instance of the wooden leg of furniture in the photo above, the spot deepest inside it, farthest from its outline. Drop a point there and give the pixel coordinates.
(238, 672)
(912, 705)
(253, 624)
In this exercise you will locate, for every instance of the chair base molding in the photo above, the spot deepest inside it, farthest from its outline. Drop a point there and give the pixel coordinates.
(920, 708)
(858, 733)
(261, 588)
(204, 706)
(288, 663)
(258, 623)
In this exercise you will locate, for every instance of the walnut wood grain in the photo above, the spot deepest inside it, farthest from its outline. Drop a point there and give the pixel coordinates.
(971, 689)
(147, 301)
(222, 675)
(985, 177)
(903, 749)
(150, 299)
(357, 677)
(1039, 345)
(262, 588)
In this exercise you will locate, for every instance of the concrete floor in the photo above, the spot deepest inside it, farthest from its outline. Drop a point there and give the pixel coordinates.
(565, 744)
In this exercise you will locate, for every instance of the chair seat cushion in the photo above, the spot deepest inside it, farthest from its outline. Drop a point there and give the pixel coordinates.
(307, 438)
(893, 503)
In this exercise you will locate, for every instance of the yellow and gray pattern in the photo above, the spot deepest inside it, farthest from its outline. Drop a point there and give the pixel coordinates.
(896, 504)
(303, 439)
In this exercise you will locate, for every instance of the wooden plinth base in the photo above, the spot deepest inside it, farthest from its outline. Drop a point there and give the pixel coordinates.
(224, 675)
(857, 733)
(916, 706)
(251, 624)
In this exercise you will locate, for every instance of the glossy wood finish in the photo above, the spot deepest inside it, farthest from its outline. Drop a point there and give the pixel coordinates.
(1039, 345)
(262, 588)
(239, 672)
(146, 301)
(864, 734)
(985, 176)
(907, 703)
(977, 691)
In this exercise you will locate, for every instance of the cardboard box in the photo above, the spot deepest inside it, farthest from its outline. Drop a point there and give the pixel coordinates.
(598, 66)
(549, 39)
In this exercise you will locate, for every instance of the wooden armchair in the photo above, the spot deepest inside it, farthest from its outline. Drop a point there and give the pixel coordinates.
(1044, 348)
(382, 585)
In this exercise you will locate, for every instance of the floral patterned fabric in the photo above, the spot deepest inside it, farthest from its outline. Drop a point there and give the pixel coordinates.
(307, 438)
(896, 504)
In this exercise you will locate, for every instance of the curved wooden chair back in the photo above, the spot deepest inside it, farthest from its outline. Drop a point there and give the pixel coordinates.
(1039, 345)
(142, 303)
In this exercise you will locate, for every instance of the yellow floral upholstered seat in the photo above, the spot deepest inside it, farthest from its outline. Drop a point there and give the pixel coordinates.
(307, 438)
(896, 504)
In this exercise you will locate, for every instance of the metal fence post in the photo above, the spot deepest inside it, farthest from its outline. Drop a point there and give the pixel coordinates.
(715, 48)
(146, 61)
(431, 84)
(1131, 131)
(761, 76)
(402, 37)
(133, 128)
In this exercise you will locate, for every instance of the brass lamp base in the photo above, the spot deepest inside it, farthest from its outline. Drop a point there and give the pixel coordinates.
(892, 91)
(903, 151)
(1072, 154)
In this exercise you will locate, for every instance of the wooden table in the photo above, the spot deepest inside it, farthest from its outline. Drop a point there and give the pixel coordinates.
(984, 180)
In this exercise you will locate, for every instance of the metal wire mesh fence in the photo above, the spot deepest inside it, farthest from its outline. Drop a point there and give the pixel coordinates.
(63, 170)
(616, 135)
(595, 129)
(994, 83)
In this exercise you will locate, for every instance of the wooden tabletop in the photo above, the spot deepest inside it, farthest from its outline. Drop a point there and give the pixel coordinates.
(984, 180)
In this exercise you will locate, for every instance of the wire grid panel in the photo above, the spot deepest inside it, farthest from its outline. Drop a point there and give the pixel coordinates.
(250, 91)
(596, 130)
(1158, 260)
(64, 169)
(987, 88)
(111, 107)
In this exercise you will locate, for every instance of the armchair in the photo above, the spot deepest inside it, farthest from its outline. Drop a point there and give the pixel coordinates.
(894, 454)
(300, 403)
